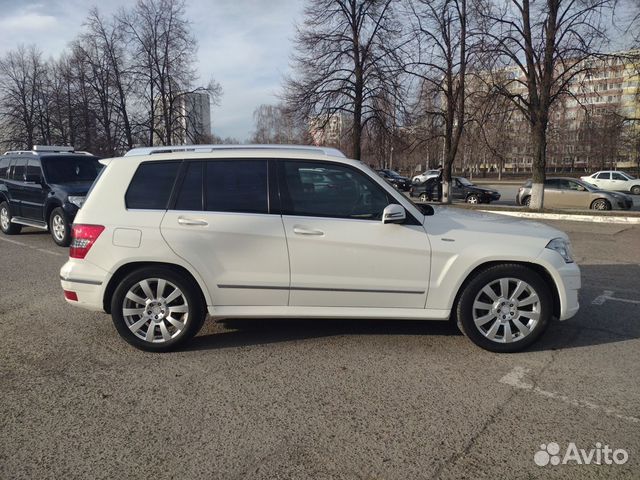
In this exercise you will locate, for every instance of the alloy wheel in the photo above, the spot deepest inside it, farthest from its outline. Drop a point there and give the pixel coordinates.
(59, 230)
(472, 199)
(506, 310)
(4, 218)
(155, 310)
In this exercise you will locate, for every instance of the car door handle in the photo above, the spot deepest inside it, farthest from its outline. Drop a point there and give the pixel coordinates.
(307, 231)
(192, 221)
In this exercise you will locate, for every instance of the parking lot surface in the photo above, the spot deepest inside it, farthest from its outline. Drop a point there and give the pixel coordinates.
(264, 399)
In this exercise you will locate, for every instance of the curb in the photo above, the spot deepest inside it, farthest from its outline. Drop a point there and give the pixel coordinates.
(569, 217)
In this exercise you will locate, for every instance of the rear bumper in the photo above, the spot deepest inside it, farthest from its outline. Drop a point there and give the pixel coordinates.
(87, 281)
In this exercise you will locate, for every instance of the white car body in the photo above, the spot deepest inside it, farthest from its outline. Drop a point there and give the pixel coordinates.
(613, 180)
(268, 265)
(423, 177)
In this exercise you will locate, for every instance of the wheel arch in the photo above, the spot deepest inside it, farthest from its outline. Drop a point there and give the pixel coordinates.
(52, 204)
(604, 199)
(128, 268)
(539, 269)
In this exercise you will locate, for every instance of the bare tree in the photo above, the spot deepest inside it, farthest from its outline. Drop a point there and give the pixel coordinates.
(21, 81)
(276, 124)
(548, 44)
(438, 54)
(342, 63)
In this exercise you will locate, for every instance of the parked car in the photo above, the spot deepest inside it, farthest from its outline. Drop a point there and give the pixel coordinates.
(423, 177)
(461, 189)
(395, 179)
(44, 188)
(613, 180)
(170, 234)
(572, 193)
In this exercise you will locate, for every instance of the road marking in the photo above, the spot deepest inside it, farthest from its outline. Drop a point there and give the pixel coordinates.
(14, 242)
(608, 295)
(515, 378)
(43, 250)
(49, 252)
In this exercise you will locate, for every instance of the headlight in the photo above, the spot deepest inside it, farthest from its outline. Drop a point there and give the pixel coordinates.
(77, 200)
(563, 247)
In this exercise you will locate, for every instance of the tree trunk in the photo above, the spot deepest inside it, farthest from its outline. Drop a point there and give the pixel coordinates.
(539, 140)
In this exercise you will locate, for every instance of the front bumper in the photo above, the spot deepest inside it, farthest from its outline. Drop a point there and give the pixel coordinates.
(567, 279)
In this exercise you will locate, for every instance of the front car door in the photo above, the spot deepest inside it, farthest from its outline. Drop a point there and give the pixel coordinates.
(221, 222)
(619, 182)
(552, 193)
(340, 252)
(575, 195)
(34, 195)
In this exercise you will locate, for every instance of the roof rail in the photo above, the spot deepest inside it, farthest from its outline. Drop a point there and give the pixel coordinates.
(332, 152)
(20, 152)
(44, 149)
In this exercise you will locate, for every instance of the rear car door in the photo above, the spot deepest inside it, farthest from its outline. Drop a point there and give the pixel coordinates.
(15, 185)
(221, 222)
(603, 180)
(340, 252)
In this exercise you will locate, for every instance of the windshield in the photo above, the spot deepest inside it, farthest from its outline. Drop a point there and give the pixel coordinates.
(393, 173)
(630, 177)
(465, 182)
(71, 169)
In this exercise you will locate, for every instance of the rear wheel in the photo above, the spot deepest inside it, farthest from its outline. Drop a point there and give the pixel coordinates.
(59, 227)
(635, 190)
(527, 201)
(6, 226)
(424, 197)
(601, 204)
(504, 308)
(157, 309)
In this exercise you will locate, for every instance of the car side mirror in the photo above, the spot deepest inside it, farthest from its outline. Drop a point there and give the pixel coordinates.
(394, 213)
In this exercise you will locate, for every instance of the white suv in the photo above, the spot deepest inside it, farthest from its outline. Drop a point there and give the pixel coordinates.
(170, 234)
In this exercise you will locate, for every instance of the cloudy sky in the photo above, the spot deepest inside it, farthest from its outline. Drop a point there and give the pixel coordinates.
(243, 44)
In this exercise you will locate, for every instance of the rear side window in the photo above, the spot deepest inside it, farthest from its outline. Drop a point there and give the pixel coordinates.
(33, 168)
(4, 167)
(19, 168)
(190, 195)
(604, 176)
(151, 185)
(236, 186)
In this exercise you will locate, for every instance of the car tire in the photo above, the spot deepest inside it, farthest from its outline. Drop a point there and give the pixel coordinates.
(526, 201)
(59, 227)
(424, 197)
(635, 190)
(473, 199)
(157, 309)
(600, 204)
(504, 308)
(6, 226)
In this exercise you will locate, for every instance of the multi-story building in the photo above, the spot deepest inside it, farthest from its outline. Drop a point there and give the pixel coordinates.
(190, 119)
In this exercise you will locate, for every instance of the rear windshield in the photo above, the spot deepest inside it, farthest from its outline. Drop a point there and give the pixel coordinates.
(70, 169)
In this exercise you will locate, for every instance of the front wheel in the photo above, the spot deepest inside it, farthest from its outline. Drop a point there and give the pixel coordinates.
(424, 197)
(473, 199)
(7, 227)
(157, 309)
(504, 308)
(601, 204)
(59, 227)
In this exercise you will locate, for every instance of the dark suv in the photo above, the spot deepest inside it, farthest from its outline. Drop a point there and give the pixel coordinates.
(44, 188)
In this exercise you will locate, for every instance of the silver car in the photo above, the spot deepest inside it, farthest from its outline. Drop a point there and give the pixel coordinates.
(571, 193)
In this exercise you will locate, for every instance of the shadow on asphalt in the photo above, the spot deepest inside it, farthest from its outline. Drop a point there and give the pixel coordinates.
(612, 322)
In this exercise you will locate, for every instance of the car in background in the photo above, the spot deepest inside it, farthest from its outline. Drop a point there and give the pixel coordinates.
(614, 180)
(395, 179)
(461, 189)
(423, 177)
(44, 188)
(572, 193)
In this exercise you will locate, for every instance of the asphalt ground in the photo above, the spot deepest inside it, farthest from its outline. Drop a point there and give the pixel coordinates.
(265, 399)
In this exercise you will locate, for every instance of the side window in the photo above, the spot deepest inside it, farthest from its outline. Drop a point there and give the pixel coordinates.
(236, 186)
(575, 186)
(19, 169)
(190, 193)
(4, 167)
(33, 168)
(618, 176)
(151, 185)
(329, 190)
(604, 176)
(554, 184)
(564, 184)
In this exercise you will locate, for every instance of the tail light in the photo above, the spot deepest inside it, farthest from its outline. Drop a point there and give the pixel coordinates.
(82, 239)
(69, 295)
